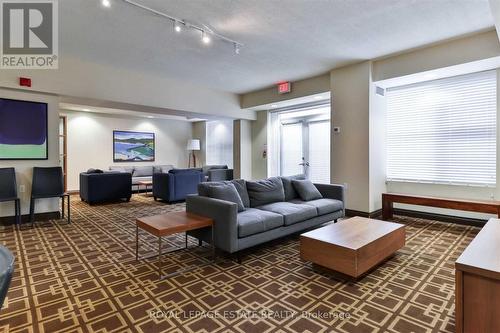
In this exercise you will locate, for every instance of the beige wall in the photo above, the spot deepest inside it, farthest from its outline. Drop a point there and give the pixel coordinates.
(200, 132)
(458, 51)
(349, 149)
(259, 141)
(78, 80)
(306, 87)
(24, 169)
(242, 149)
(90, 141)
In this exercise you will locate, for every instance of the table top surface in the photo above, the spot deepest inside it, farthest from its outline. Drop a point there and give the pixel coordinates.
(145, 182)
(482, 256)
(353, 233)
(171, 223)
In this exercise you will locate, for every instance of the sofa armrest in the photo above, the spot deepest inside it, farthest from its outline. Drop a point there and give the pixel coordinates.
(332, 191)
(217, 175)
(163, 186)
(224, 214)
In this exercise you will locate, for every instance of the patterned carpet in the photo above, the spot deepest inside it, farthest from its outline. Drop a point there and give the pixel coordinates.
(84, 278)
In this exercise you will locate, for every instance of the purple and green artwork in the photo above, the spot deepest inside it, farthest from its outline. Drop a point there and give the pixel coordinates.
(133, 146)
(23, 130)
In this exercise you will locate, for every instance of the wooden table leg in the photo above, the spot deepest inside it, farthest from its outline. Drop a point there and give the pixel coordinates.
(136, 243)
(159, 258)
(387, 208)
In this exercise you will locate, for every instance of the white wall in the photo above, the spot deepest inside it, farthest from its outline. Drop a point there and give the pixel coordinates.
(219, 142)
(378, 144)
(24, 169)
(90, 141)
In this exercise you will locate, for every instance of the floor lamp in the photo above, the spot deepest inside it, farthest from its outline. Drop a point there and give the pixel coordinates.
(192, 146)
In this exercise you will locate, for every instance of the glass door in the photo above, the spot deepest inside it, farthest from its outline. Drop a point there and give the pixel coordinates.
(304, 143)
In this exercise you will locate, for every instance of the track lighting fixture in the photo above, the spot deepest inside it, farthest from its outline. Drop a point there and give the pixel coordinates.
(179, 24)
(205, 37)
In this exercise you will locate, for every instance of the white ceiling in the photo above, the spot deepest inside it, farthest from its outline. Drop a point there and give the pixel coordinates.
(284, 39)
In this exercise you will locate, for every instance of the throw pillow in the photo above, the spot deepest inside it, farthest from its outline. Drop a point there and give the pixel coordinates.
(240, 185)
(265, 191)
(290, 192)
(226, 192)
(306, 190)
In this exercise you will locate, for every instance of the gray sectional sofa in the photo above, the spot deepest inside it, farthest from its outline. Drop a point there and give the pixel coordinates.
(142, 173)
(269, 209)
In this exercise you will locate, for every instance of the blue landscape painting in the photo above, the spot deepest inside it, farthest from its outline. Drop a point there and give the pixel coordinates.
(23, 130)
(133, 146)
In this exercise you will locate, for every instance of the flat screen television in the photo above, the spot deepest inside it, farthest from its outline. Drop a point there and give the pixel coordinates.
(23, 130)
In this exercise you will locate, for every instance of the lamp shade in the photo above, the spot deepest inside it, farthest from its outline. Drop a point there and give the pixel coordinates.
(193, 144)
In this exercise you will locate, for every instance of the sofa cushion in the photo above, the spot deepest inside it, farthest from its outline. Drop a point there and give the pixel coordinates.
(323, 206)
(226, 192)
(306, 190)
(162, 168)
(143, 171)
(265, 191)
(291, 212)
(129, 169)
(240, 185)
(290, 192)
(253, 221)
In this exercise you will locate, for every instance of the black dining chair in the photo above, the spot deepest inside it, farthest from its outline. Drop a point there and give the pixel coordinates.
(6, 271)
(48, 183)
(8, 191)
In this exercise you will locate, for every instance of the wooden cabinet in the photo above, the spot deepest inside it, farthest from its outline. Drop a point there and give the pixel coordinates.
(477, 294)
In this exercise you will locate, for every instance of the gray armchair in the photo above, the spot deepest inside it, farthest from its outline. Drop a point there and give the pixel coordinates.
(217, 173)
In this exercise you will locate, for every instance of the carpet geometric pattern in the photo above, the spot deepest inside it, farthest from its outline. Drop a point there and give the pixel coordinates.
(83, 277)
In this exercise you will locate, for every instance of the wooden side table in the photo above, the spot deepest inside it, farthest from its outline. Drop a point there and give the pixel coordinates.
(145, 183)
(169, 224)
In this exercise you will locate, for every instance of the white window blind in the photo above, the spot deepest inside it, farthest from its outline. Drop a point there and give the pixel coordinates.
(219, 143)
(443, 131)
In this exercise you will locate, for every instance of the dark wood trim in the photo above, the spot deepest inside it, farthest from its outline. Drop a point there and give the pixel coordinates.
(441, 217)
(64, 136)
(420, 215)
(352, 213)
(8, 220)
(74, 192)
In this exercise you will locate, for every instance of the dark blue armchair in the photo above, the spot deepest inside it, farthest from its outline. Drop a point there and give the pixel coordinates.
(107, 186)
(177, 184)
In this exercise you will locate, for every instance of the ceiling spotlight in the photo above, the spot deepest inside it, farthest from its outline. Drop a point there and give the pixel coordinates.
(177, 26)
(205, 37)
(106, 3)
(237, 48)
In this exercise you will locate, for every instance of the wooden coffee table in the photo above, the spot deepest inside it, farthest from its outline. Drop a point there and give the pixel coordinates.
(169, 224)
(353, 246)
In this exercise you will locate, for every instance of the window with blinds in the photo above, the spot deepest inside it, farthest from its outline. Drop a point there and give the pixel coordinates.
(443, 131)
